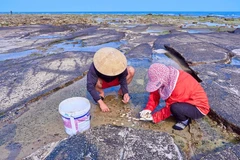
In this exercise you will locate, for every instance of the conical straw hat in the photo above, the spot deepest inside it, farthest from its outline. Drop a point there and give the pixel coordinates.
(109, 61)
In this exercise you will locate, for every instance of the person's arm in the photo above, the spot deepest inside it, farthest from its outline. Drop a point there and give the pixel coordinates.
(123, 81)
(92, 79)
(153, 101)
(162, 114)
(124, 86)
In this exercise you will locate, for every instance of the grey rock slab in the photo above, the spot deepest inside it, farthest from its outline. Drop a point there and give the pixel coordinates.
(31, 38)
(15, 37)
(224, 40)
(193, 49)
(201, 52)
(178, 38)
(104, 36)
(140, 51)
(42, 123)
(237, 31)
(134, 40)
(160, 28)
(112, 142)
(9, 32)
(139, 28)
(27, 78)
(14, 149)
(143, 38)
(7, 133)
(221, 83)
(232, 153)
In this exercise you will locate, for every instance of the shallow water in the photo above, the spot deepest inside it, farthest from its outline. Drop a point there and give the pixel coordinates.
(65, 46)
(76, 45)
(46, 37)
(235, 61)
(210, 24)
(8, 56)
(162, 58)
(193, 31)
(159, 31)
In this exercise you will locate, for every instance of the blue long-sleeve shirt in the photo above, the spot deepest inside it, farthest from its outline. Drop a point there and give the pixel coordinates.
(92, 78)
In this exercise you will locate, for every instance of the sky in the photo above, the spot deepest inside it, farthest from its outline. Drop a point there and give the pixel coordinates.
(117, 5)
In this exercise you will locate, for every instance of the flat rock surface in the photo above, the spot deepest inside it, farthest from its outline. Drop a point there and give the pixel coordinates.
(221, 83)
(200, 48)
(31, 77)
(229, 153)
(111, 142)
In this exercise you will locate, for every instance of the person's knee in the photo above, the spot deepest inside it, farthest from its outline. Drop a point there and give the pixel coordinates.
(174, 108)
(131, 71)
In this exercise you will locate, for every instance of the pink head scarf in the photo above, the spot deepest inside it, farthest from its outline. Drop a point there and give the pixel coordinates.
(163, 78)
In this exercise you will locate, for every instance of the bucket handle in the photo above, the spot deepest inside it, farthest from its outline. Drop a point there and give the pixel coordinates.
(74, 130)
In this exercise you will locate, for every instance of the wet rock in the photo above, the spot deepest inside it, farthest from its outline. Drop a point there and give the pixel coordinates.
(223, 40)
(17, 39)
(110, 142)
(14, 149)
(236, 52)
(7, 133)
(230, 153)
(237, 31)
(221, 83)
(141, 39)
(178, 38)
(193, 50)
(141, 51)
(229, 19)
(32, 76)
(139, 28)
(103, 36)
(198, 53)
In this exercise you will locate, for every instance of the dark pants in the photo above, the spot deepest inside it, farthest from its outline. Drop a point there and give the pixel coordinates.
(182, 111)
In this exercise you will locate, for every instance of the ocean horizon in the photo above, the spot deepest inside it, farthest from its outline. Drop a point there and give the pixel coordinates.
(172, 13)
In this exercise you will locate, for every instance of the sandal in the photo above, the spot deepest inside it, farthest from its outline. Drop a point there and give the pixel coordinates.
(181, 125)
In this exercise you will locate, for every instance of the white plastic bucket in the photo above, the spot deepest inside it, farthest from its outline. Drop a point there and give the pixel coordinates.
(75, 113)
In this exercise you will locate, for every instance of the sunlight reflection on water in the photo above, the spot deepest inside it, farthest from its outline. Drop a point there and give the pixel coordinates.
(66, 46)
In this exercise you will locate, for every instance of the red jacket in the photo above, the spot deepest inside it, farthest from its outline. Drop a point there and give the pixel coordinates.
(187, 90)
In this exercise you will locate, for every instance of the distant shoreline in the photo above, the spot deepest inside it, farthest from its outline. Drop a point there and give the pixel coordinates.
(57, 19)
(235, 14)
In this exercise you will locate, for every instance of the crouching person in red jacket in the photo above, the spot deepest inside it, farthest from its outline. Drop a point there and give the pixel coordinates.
(184, 96)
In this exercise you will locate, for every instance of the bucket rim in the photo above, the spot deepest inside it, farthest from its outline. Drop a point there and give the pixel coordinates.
(74, 113)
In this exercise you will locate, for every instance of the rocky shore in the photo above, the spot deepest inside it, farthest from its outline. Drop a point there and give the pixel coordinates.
(44, 60)
(58, 20)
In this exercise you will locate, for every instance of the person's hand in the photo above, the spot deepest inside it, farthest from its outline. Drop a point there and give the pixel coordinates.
(145, 112)
(126, 98)
(103, 106)
(145, 115)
